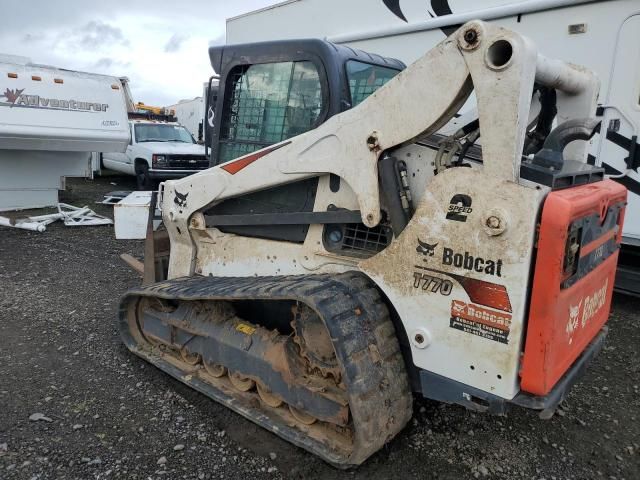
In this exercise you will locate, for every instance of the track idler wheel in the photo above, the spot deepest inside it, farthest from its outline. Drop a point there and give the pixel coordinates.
(241, 382)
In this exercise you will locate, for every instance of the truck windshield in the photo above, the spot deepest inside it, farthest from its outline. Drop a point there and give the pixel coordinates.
(162, 133)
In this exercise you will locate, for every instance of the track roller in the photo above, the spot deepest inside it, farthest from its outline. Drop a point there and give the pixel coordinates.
(267, 396)
(189, 357)
(241, 382)
(214, 369)
(302, 417)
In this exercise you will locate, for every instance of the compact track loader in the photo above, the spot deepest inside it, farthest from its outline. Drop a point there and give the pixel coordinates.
(314, 284)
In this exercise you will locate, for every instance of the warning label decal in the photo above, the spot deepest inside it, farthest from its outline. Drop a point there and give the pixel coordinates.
(476, 320)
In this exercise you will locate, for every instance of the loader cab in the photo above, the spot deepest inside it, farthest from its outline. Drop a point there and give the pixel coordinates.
(272, 91)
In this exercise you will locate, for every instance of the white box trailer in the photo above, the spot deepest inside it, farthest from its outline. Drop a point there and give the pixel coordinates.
(189, 114)
(50, 121)
(601, 35)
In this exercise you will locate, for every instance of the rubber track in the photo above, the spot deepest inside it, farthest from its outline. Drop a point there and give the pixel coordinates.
(366, 346)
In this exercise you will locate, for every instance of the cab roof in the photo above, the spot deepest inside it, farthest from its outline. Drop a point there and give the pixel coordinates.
(284, 50)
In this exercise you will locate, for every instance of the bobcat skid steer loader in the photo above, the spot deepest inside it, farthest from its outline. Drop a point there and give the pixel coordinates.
(393, 269)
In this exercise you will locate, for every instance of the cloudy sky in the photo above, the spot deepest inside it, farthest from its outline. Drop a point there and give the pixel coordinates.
(160, 45)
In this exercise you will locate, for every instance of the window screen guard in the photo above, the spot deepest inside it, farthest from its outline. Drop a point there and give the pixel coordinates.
(365, 78)
(268, 103)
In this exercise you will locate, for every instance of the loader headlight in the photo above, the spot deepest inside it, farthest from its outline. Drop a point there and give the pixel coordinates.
(160, 160)
(335, 235)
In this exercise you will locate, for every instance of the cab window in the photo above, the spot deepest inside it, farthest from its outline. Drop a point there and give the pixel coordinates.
(268, 103)
(365, 78)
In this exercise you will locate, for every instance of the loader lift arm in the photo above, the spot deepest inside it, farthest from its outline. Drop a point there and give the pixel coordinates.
(499, 65)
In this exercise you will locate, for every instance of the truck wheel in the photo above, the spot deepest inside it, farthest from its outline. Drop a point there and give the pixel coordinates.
(143, 181)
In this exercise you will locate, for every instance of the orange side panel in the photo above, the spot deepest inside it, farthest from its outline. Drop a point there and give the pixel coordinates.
(569, 306)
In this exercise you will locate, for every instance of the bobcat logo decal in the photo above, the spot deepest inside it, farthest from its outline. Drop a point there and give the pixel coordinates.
(181, 199)
(426, 249)
(572, 324)
(458, 307)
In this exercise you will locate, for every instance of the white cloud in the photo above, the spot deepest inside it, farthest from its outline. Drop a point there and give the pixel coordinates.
(161, 48)
(175, 42)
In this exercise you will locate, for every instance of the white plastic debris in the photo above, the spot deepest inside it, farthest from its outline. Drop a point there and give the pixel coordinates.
(35, 417)
(25, 224)
(72, 216)
(75, 216)
(112, 198)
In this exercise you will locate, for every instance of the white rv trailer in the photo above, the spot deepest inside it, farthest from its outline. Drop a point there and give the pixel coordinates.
(604, 36)
(50, 121)
(189, 114)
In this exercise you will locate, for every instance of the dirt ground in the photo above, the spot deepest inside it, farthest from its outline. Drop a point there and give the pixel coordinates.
(111, 415)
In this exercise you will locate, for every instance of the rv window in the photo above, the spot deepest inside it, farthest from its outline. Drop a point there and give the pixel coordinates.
(266, 104)
(364, 79)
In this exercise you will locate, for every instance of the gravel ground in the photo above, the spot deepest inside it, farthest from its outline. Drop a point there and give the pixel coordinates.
(75, 404)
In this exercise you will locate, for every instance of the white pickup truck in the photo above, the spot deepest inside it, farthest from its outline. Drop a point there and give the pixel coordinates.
(157, 151)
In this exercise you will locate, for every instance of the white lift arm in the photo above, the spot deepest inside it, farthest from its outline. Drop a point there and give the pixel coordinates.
(500, 65)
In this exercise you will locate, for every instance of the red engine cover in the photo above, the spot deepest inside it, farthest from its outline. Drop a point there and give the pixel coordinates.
(578, 245)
